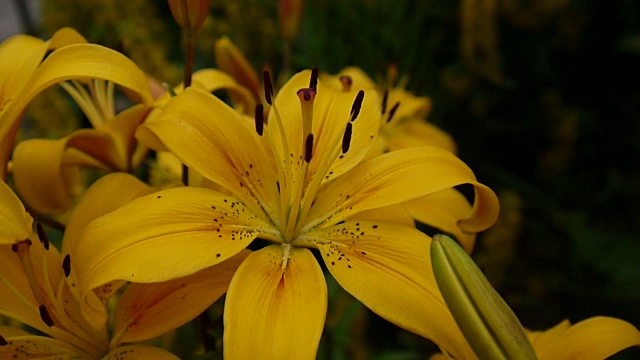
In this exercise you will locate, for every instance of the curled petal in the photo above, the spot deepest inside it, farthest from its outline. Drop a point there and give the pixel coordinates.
(418, 132)
(402, 176)
(16, 222)
(145, 311)
(281, 309)
(594, 338)
(388, 268)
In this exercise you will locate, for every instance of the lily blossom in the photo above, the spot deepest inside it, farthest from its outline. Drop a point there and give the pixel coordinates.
(293, 181)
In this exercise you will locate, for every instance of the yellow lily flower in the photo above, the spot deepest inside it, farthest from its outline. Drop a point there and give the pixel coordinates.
(293, 181)
(40, 289)
(45, 171)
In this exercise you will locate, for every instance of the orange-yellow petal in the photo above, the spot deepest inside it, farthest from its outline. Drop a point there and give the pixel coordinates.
(16, 222)
(145, 311)
(594, 338)
(17, 344)
(401, 176)
(388, 268)
(282, 310)
(187, 228)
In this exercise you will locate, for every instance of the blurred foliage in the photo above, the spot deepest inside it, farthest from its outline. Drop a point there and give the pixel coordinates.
(542, 97)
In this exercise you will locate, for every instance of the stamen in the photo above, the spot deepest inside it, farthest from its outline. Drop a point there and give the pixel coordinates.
(22, 248)
(384, 101)
(357, 105)
(307, 98)
(66, 265)
(44, 315)
(259, 118)
(346, 82)
(268, 88)
(313, 83)
(308, 148)
(42, 235)
(286, 254)
(3, 341)
(346, 139)
(393, 111)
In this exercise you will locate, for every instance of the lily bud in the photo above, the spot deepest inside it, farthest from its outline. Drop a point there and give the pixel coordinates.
(290, 14)
(190, 13)
(231, 60)
(485, 319)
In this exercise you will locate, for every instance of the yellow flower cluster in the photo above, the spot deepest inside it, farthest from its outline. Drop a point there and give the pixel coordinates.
(329, 173)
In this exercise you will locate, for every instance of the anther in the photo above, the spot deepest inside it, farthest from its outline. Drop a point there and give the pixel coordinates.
(385, 97)
(268, 88)
(42, 235)
(313, 83)
(393, 111)
(308, 148)
(3, 341)
(346, 139)
(346, 82)
(259, 118)
(44, 315)
(357, 105)
(66, 265)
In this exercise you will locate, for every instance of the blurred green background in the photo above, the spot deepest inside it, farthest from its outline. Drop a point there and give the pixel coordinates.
(542, 97)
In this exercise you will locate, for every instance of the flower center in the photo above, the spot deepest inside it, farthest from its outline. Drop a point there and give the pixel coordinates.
(301, 172)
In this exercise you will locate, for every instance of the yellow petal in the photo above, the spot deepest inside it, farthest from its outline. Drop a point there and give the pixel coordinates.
(419, 132)
(410, 105)
(594, 338)
(189, 228)
(40, 178)
(213, 139)
(145, 311)
(442, 211)
(16, 222)
(281, 310)
(394, 213)
(26, 346)
(401, 176)
(107, 194)
(17, 301)
(388, 268)
(139, 352)
(70, 62)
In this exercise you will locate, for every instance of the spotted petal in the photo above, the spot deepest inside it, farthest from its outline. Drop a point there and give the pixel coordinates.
(281, 310)
(18, 344)
(387, 267)
(189, 228)
(139, 352)
(398, 177)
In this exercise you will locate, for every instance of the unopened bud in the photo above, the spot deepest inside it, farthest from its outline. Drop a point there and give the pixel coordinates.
(190, 13)
(290, 15)
(485, 319)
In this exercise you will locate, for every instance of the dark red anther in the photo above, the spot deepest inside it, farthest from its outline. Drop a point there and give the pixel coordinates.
(3, 341)
(385, 97)
(313, 83)
(357, 105)
(346, 139)
(259, 117)
(66, 265)
(308, 148)
(45, 316)
(393, 111)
